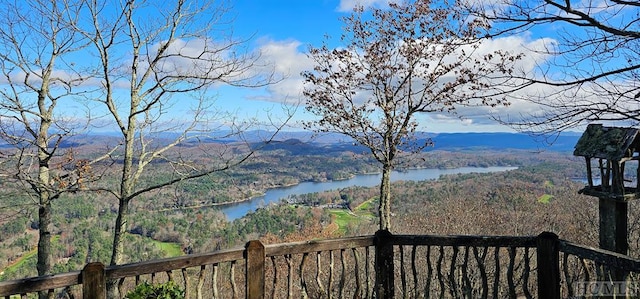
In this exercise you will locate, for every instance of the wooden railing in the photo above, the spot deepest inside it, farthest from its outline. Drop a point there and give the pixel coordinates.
(378, 266)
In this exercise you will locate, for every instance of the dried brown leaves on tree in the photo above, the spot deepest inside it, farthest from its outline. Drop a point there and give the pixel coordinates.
(396, 63)
(134, 73)
(38, 46)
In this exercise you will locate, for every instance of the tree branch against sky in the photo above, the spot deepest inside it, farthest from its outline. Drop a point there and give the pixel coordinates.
(397, 63)
(594, 73)
(151, 66)
(37, 49)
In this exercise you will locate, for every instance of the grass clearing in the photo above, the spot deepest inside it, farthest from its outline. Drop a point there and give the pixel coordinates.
(170, 249)
(30, 256)
(21, 262)
(545, 198)
(343, 217)
(366, 205)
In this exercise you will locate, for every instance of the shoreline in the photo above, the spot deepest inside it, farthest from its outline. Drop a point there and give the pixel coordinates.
(264, 192)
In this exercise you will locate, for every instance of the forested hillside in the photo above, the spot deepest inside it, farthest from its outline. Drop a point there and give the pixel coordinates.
(540, 195)
(526, 201)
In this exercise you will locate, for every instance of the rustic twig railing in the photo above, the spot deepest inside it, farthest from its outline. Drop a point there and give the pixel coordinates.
(379, 266)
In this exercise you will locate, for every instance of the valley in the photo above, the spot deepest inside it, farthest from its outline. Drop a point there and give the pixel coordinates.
(188, 218)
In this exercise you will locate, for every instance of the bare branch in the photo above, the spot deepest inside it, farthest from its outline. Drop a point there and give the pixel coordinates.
(594, 59)
(413, 58)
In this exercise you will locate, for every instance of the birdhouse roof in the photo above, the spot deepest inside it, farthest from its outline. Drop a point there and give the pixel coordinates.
(612, 143)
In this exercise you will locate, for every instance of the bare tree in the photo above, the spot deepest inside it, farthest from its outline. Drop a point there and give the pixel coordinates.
(152, 67)
(39, 74)
(593, 73)
(395, 63)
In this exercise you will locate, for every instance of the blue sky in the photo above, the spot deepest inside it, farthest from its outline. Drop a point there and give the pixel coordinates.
(283, 30)
(305, 21)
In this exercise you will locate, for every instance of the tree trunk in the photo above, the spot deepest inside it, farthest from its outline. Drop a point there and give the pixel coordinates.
(126, 186)
(44, 183)
(43, 265)
(384, 211)
(117, 254)
(44, 238)
(44, 214)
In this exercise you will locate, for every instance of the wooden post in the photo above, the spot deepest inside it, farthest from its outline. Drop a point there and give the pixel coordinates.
(613, 233)
(94, 283)
(613, 225)
(589, 175)
(385, 288)
(548, 256)
(255, 255)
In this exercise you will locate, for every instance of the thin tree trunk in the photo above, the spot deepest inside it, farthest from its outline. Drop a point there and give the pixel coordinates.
(44, 238)
(44, 180)
(117, 254)
(384, 210)
(43, 265)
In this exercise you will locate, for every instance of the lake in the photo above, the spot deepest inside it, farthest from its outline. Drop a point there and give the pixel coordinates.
(238, 210)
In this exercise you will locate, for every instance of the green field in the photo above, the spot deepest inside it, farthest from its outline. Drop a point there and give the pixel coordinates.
(31, 255)
(545, 198)
(170, 249)
(343, 217)
(365, 205)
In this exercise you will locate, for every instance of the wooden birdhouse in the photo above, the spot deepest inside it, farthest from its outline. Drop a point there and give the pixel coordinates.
(610, 148)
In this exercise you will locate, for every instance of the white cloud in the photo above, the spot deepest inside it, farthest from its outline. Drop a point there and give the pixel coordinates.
(349, 5)
(288, 57)
(533, 49)
(288, 60)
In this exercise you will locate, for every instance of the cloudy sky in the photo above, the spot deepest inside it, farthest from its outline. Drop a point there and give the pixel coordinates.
(283, 30)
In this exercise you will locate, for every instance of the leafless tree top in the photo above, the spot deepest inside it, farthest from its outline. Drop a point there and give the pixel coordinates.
(593, 73)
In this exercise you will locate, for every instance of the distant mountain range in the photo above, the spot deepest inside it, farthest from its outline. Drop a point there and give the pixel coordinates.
(307, 142)
(450, 141)
(302, 141)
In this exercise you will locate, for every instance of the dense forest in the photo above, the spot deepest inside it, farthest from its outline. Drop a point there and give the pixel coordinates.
(541, 195)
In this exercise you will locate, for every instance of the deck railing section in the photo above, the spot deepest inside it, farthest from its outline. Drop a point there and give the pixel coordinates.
(586, 271)
(464, 267)
(339, 268)
(211, 275)
(379, 266)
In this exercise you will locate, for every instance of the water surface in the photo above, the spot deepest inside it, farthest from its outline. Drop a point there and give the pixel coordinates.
(238, 210)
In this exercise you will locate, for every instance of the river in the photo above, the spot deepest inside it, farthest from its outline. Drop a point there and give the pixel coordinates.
(238, 210)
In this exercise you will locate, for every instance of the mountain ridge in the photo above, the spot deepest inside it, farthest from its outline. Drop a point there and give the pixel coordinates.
(443, 141)
(332, 142)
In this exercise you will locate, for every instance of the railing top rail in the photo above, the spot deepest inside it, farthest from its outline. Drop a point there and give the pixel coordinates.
(168, 264)
(465, 240)
(41, 283)
(609, 258)
(318, 245)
